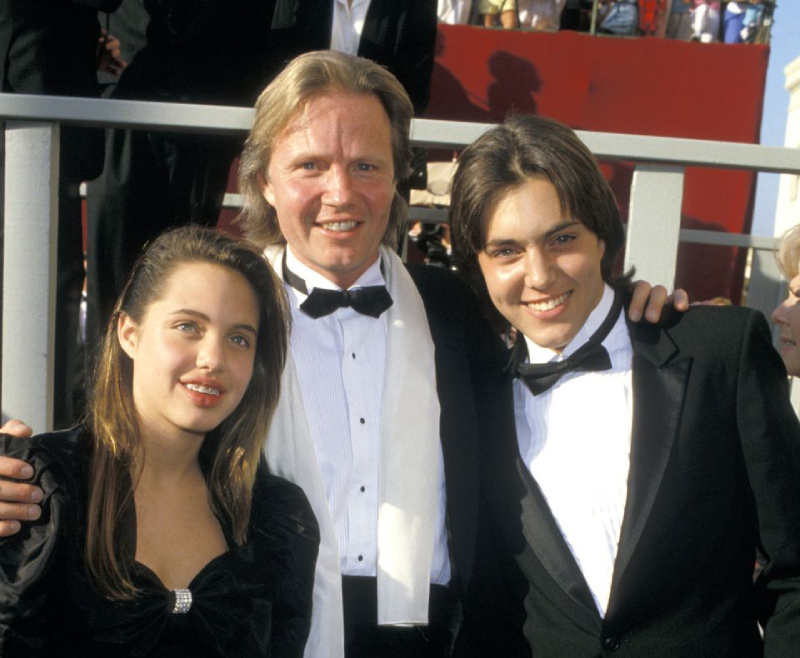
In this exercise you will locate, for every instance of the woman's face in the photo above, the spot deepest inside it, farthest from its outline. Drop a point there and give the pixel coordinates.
(787, 318)
(193, 351)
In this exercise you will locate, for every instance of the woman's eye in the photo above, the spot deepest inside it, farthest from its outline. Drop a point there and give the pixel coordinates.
(242, 341)
(186, 326)
(563, 239)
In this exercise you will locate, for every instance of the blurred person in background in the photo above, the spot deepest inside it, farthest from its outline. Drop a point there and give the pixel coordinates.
(502, 13)
(206, 51)
(787, 315)
(57, 48)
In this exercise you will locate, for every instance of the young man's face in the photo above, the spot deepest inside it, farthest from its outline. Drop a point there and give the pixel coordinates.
(542, 267)
(331, 181)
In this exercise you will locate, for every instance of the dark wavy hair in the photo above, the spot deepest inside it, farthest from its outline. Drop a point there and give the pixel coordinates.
(504, 158)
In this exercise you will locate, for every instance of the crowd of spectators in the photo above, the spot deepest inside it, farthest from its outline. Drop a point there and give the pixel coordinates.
(690, 20)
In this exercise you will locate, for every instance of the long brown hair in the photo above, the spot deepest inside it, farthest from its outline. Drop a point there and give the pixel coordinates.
(234, 447)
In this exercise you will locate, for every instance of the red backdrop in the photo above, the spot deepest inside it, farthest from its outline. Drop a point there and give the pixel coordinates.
(642, 86)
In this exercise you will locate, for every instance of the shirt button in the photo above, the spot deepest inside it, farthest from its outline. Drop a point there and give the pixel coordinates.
(362, 421)
(360, 558)
(611, 643)
(363, 489)
(353, 355)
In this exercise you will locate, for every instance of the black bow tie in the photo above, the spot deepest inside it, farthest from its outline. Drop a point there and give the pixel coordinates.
(590, 357)
(369, 300)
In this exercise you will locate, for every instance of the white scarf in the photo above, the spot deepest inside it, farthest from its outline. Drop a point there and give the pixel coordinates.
(409, 468)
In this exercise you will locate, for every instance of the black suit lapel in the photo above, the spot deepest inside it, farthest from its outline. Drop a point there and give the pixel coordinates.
(550, 548)
(530, 530)
(659, 385)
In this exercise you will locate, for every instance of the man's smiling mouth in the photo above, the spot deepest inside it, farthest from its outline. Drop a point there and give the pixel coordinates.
(549, 304)
(340, 226)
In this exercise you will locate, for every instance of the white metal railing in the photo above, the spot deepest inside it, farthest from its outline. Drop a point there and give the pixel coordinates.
(32, 143)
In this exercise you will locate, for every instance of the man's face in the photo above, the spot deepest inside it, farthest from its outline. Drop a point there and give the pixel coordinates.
(331, 182)
(542, 267)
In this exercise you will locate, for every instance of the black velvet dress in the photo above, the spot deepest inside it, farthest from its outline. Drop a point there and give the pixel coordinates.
(254, 600)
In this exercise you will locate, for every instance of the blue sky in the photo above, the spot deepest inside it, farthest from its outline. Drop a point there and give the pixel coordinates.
(785, 47)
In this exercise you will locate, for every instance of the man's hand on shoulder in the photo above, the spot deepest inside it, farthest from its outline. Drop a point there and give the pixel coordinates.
(650, 301)
(18, 501)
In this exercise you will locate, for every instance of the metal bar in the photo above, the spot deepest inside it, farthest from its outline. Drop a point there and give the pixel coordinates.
(425, 132)
(180, 117)
(728, 239)
(29, 272)
(692, 152)
(652, 241)
(638, 148)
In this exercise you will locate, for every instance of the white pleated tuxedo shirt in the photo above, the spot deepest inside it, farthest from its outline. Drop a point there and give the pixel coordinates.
(575, 441)
(340, 360)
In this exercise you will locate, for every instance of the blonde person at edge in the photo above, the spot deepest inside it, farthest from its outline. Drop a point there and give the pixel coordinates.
(787, 315)
(161, 533)
(377, 427)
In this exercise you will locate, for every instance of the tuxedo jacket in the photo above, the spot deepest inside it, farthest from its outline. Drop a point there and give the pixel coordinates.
(397, 34)
(466, 351)
(714, 481)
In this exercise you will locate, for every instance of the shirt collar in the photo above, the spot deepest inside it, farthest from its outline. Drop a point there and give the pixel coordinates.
(313, 279)
(537, 354)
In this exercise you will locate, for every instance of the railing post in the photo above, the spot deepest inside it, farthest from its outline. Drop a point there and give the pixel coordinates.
(654, 223)
(29, 271)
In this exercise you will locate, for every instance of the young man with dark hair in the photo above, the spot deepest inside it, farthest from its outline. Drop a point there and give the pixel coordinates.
(632, 473)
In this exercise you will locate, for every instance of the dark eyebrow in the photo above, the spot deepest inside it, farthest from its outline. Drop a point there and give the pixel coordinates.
(245, 327)
(500, 242)
(507, 242)
(189, 311)
(561, 227)
(202, 316)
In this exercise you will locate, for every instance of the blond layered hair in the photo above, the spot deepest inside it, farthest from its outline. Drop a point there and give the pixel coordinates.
(306, 78)
(230, 453)
(787, 253)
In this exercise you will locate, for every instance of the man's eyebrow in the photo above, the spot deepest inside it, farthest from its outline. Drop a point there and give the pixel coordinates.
(561, 227)
(500, 242)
